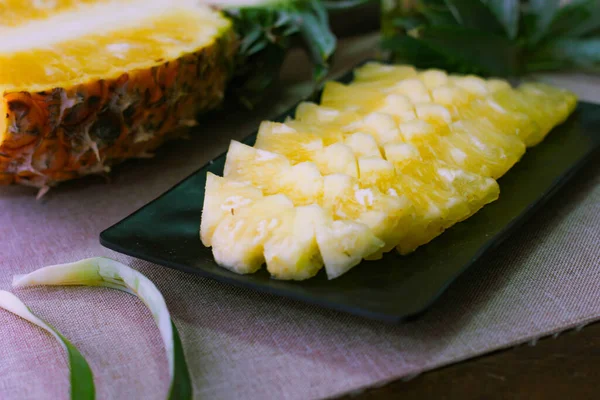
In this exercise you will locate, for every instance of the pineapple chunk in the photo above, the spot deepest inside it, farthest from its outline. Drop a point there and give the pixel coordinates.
(381, 126)
(291, 251)
(416, 131)
(475, 85)
(386, 216)
(412, 88)
(373, 71)
(363, 145)
(561, 100)
(399, 106)
(339, 96)
(252, 165)
(435, 114)
(298, 146)
(238, 241)
(433, 78)
(391, 160)
(329, 134)
(337, 158)
(450, 96)
(285, 140)
(509, 123)
(540, 108)
(344, 244)
(495, 85)
(316, 113)
(272, 173)
(223, 197)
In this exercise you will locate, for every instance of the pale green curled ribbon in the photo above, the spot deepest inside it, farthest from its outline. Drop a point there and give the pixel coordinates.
(100, 271)
(82, 381)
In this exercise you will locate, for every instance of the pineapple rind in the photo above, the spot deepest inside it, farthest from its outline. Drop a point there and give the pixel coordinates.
(57, 133)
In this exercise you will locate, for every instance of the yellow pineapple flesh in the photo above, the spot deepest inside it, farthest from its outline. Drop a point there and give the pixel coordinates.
(388, 161)
(85, 84)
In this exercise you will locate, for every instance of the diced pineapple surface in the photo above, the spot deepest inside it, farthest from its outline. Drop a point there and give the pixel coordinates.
(390, 160)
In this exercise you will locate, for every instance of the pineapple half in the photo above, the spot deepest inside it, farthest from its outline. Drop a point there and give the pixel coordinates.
(388, 161)
(85, 84)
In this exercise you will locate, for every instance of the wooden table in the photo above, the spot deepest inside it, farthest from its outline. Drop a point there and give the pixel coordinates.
(563, 367)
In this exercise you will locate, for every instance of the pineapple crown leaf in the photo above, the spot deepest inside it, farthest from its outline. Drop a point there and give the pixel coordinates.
(496, 37)
(268, 29)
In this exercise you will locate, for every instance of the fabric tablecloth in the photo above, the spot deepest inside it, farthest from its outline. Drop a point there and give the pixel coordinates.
(243, 344)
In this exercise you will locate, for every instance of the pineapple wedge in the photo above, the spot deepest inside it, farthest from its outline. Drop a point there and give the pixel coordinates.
(291, 251)
(221, 198)
(273, 173)
(307, 237)
(344, 244)
(238, 240)
(388, 161)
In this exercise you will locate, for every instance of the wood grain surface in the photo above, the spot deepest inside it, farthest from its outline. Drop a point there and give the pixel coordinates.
(562, 367)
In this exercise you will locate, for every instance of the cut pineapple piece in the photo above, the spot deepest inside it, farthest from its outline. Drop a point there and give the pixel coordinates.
(363, 145)
(433, 78)
(510, 123)
(285, 140)
(541, 108)
(399, 106)
(495, 85)
(337, 158)
(381, 126)
(339, 96)
(344, 244)
(238, 241)
(563, 102)
(391, 160)
(328, 135)
(374, 71)
(298, 146)
(476, 189)
(272, 173)
(454, 98)
(223, 197)
(386, 215)
(412, 88)
(474, 85)
(291, 251)
(252, 165)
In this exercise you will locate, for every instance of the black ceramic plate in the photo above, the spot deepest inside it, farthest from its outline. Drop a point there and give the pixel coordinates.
(392, 289)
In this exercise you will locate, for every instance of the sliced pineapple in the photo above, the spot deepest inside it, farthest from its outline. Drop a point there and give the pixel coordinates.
(344, 244)
(272, 173)
(390, 160)
(291, 251)
(373, 71)
(238, 240)
(386, 215)
(223, 197)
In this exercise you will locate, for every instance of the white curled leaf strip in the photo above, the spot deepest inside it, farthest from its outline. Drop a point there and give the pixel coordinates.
(82, 380)
(100, 271)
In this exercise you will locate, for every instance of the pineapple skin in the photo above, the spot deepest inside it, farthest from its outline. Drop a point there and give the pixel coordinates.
(64, 133)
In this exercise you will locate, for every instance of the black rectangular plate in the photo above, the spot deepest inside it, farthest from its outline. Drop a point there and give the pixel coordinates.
(394, 288)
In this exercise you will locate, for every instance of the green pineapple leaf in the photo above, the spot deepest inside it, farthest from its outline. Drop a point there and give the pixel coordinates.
(478, 52)
(268, 29)
(497, 37)
(474, 15)
(507, 12)
(544, 12)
